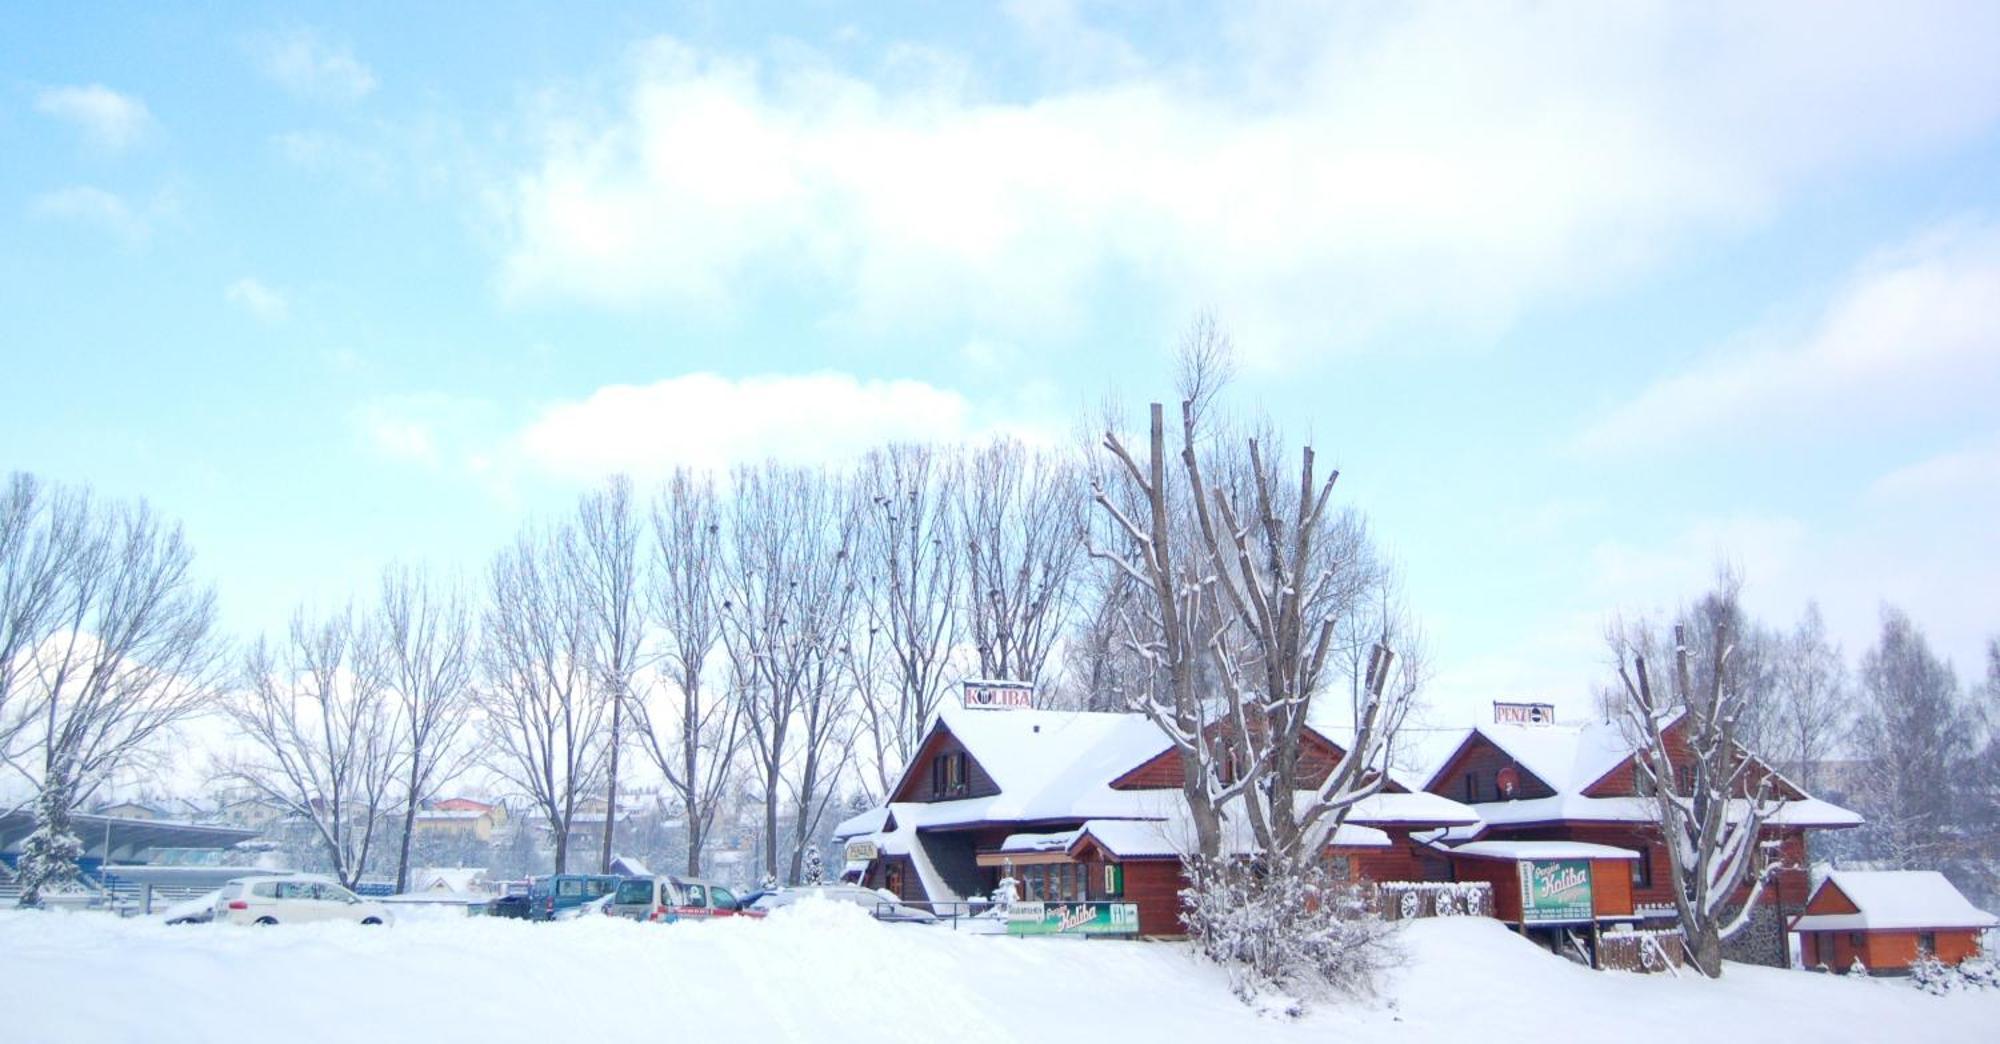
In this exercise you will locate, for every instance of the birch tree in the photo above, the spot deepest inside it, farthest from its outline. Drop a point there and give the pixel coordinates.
(1810, 709)
(695, 736)
(1709, 799)
(545, 713)
(426, 652)
(322, 731)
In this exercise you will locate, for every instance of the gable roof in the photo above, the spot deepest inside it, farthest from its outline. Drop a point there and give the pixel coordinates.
(1891, 900)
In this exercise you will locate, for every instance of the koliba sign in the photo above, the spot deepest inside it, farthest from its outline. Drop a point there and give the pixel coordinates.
(998, 695)
(860, 851)
(1073, 919)
(1555, 891)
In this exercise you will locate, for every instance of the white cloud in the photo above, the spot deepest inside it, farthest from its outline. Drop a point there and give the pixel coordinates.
(431, 430)
(1915, 334)
(308, 66)
(1449, 164)
(703, 420)
(89, 205)
(106, 118)
(259, 300)
(1970, 469)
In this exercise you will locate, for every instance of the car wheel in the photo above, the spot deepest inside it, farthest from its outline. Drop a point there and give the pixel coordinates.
(371, 920)
(267, 920)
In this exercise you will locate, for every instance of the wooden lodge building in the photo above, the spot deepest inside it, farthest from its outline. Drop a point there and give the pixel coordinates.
(1885, 919)
(1087, 806)
(1533, 784)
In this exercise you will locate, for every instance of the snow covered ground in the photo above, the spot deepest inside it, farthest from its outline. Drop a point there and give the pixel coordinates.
(822, 972)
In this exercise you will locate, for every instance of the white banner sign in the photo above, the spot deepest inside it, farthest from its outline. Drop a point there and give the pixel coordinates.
(998, 695)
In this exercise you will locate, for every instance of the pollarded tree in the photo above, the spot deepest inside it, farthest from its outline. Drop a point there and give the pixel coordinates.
(1709, 799)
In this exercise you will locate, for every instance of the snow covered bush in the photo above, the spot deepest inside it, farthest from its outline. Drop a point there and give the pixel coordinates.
(1857, 969)
(814, 870)
(1980, 973)
(1297, 931)
(1931, 975)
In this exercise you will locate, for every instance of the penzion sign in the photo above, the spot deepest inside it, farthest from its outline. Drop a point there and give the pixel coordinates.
(1555, 891)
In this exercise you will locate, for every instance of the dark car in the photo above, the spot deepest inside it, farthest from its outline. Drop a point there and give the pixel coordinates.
(515, 906)
(554, 895)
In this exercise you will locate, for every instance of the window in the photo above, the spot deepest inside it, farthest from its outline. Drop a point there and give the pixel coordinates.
(1471, 787)
(696, 895)
(634, 892)
(264, 890)
(948, 773)
(333, 893)
(597, 886)
(1927, 942)
(1642, 868)
(1114, 881)
(295, 890)
(569, 886)
(722, 898)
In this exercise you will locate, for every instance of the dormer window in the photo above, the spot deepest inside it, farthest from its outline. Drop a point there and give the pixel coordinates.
(948, 777)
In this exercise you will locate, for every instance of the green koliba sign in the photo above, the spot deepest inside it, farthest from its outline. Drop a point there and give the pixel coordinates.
(1555, 891)
(1073, 919)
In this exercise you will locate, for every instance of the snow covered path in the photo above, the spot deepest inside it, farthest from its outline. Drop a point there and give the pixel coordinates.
(828, 973)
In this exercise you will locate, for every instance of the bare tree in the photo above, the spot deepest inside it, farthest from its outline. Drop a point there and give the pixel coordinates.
(110, 642)
(545, 713)
(909, 569)
(606, 552)
(1250, 587)
(1914, 731)
(1100, 671)
(322, 735)
(1710, 799)
(425, 650)
(694, 744)
(784, 614)
(1021, 517)
(1810, 709)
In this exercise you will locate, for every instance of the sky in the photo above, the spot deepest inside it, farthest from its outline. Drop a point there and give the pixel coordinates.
(1583, 299)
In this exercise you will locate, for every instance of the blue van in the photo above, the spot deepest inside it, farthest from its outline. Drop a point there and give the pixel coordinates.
(553, 894)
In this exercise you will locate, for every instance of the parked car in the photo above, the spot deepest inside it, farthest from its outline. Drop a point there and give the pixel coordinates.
(745, 902)
(666, 898)
(554, 894)
(294, 899)
(883, 906)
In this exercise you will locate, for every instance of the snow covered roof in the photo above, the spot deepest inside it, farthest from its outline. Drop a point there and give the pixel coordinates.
(861, 824)
(1810, 812)
(1896, 900)
(1568, 758)
(1541, 850)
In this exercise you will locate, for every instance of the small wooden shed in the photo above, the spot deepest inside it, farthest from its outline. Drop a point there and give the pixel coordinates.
(1885, 918)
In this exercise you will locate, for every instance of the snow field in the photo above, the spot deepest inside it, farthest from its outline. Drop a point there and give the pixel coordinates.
(826, 972)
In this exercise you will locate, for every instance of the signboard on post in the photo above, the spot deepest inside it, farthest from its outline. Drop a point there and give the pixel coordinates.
(1523, 713)
(1555, 891)
(998, 695)
(860, 851)
(1073, 919)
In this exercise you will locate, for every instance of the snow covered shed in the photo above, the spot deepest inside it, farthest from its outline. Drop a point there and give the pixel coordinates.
(1885, 918)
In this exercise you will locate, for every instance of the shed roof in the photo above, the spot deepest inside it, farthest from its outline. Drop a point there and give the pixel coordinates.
(1892, 900)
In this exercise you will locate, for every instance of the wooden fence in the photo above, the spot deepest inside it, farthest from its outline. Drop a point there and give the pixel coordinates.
(1408, 900)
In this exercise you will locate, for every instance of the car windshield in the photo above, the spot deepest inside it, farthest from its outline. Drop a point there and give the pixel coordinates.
(634, 892)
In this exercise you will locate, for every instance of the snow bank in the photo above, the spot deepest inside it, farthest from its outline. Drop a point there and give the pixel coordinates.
(824, 971)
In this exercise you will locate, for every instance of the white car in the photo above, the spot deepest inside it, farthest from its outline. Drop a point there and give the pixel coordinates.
(294, 899)
(883, 906)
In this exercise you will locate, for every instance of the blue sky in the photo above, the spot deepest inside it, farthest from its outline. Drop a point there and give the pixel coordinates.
(1582, 298)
